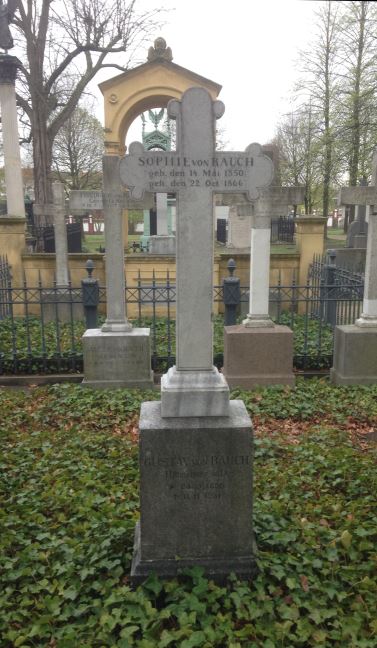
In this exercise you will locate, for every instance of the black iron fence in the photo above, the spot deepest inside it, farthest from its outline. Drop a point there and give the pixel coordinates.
(282, 230)
(5, 282)
(41, 327)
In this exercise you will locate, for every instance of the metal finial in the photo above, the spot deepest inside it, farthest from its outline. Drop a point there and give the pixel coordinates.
(231, 265)
(89, 266)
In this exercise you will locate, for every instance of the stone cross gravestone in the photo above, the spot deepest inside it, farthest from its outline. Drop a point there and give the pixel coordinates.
(195, 446)
(195, 172)
(259, 352)
(271, 203)
(117, 355)
(358, 229)
(367, 195)
(355, 345)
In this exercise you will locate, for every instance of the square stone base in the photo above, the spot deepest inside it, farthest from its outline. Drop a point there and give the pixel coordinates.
(162, 245)
(194, 393)
(195, 495)
(355, 355)
(121, 359)
(258, 356)
(61, 304)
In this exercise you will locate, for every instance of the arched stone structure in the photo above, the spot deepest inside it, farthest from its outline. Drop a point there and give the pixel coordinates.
(150, 85)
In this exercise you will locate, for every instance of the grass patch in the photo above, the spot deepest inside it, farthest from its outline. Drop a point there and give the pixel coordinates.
(69, 504)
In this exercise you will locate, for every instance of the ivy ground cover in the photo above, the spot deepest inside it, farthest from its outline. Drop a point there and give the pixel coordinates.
(69, 503)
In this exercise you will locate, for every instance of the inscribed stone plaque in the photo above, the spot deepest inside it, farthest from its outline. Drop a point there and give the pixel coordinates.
(81, 202)
(196, 485)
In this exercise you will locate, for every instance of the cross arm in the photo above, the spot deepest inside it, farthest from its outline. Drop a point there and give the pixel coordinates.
(357, 196)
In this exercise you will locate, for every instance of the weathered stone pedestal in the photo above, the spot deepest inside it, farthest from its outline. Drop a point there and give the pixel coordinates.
(117, 359)
(58, 304)
(194, 393)
(258, 356)
(355, 355)
(195, 495)
(162, 245)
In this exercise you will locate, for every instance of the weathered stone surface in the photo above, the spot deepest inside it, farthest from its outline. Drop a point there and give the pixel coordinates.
(184, 393)
(355, 355)
(116, 315)
(259, 279)
(358, 230)
(61, 304)
(195, 172)
(162, 245)
(12, 158)
(255, 356)
(60, 230)
(195, 493)
(117, 359)
(369, 314)
(351, 258)
(82, 201)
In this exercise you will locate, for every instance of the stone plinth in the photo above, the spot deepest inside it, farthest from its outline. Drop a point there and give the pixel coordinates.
(258, 356)
(61, 304)
(199, 393)
(195, 494)
(162, 245)
(355, 355)
(121, 359)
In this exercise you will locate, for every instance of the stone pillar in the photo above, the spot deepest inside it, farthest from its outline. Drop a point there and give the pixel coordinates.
(310, 240)
(259, 272)
(369, 314)
(258, 352)
(12, 226)
(60, 229)
(116, 319)
(12, 159)
(162, 214)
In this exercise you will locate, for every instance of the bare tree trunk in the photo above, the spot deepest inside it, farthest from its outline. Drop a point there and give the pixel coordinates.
(42, 156)
(356, 100)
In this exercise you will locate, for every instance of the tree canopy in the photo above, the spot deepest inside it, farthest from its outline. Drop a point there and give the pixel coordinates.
(63, 45)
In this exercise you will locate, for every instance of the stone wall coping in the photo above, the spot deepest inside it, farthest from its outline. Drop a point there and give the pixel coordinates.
(12, 220)
(246, 255)
(310, 219)
(72, 255)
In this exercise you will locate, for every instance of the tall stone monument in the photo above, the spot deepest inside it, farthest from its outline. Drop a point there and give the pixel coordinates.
(116, 355)
(12, 226)
(259, 352)
(355, 345)
(195, 445)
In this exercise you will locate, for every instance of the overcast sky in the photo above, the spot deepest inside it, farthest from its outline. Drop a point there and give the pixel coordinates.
(250, 47)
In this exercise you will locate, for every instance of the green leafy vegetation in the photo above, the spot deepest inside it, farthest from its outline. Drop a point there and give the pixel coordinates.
(27, 346)
(69, 504)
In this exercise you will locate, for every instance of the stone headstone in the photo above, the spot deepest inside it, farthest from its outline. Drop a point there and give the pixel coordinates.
(117, 355)
(355, 345)
(195, 446)
(195, 172)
